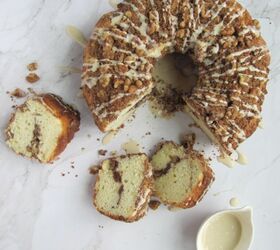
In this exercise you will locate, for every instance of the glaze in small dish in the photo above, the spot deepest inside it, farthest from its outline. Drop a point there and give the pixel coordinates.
(227, 230)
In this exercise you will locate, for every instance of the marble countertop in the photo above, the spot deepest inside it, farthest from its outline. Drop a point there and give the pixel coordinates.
(41, 210)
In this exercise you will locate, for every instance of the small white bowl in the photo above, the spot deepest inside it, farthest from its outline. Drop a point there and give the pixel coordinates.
(243, 215)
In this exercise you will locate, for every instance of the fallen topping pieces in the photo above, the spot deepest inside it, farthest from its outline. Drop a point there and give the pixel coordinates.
(32, 78)
(94, 170)
(132, 89)
(32, 66)
(102, 152)
(19, 93)
(188, 141)
(154, 204)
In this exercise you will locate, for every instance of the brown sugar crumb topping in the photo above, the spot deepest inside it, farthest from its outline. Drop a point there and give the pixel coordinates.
(19, 93)
(102, 152)
(94, 170)
(154, 205)
(32, 66)
(188, 141)
(32, 78)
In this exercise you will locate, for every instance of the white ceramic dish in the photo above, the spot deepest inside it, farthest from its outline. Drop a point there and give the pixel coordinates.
(242, 218)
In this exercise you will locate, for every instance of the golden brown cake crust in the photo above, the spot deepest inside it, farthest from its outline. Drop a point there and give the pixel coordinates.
(145, 186)
(69, 117)
(221, 37)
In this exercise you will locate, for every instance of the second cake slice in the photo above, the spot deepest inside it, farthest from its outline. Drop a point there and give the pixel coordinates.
(181, 176)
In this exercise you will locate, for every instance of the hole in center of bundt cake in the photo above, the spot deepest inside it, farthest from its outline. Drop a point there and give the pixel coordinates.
(175, 75)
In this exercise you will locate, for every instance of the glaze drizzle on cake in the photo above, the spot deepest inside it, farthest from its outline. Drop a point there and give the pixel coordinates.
(221, 37)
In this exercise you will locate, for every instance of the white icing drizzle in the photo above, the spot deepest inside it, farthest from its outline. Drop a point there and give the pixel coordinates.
(76, 35)
(261, 124)
(197, 33)
(242, 159)
(226, 160)
(109, 137)
(234, 202)
(100, 110)
(117, 19)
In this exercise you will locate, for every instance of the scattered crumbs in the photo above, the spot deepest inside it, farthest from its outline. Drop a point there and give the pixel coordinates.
(32, 78)
(62, 174)
(188, 140)
(148, 133)
(14, 106)
(72, 162)
(154, 204)
(82, 148)
(98, 139)
(32, 66)
(102, 152)
(89, 136)
(100, 226)
(209, 159)
(162, 138)
(72, 166)
(122, 126)
(18, 93)
(94, 169)
(7, 92)
(68, 172)
(76, 175)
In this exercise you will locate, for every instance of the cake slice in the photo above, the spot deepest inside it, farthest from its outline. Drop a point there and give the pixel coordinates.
(181, 176)
(123, 187)
(42, 127)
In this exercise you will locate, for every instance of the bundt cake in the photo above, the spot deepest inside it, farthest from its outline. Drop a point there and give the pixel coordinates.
(181, 177)
(42, 127)
(123, 187)
(220, 36)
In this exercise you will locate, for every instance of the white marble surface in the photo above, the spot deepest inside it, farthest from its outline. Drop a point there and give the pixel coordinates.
(40, 209)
